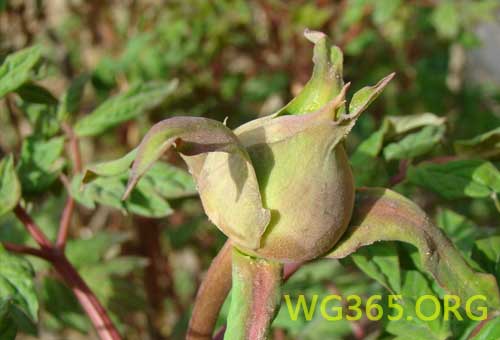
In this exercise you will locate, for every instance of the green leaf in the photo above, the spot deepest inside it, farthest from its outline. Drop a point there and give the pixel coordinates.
(486, 145)
(372, 145)
(120, 295)
(33, 93)
(17, 291)
(367, 167)
(253, 306)
(108, 280)
(105, 190)
(415, 144)
(384, 215)
(17, 69)
(10, 188)
(42, 118)
(461, 231)
(370, 169)
(380, 262)
(401, 124)
(109, 168)
(72, 97)
(446, 19)
(124, 265)
(106, 274)
(92, 250)
(164, 179)
(488, 175)
(385, 10)
(410, 326)
(8, 328)
(144, 199)
(489, 331)
(169, 181)
(62, 305)
(40, 163)
(457, 179)
(80, 193)
(486, 252)
(123, 107)
(363, 98)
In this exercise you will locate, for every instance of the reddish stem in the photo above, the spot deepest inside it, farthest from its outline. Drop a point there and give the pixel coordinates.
(401, 175)
(96, 312)
(74, 147)
(22, 249)
(62, 234)
(64, 224)
(290, 268)
(32, 228)
(89, 302)
(220, 333)
(211, 296)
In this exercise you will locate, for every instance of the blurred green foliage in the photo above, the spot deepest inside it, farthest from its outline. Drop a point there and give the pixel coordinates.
(110, 69)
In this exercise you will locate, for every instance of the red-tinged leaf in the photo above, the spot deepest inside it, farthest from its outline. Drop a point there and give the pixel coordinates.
(222, 169)
(384, 215)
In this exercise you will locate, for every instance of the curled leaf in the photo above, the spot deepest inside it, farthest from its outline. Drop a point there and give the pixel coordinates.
(222, 170)
(383, 215)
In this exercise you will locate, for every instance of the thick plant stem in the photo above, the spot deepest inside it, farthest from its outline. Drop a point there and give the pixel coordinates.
(255, 297)
(211, 296)
(213, 292)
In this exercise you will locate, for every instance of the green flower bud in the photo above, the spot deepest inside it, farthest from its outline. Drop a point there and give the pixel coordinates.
(306, 182)
(280, 187)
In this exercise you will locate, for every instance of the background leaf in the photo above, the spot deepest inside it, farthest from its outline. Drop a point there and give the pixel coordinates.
(72, 97)
(486, 252)
(149, 198)
(491, 330)
(415, 144)
(10, 188)
(40, 163)
(123, 107)
(411, 326)
(17, 69)
(456, 179)
(33, 93)
(486, 145)
(18, 300)
(380, 262)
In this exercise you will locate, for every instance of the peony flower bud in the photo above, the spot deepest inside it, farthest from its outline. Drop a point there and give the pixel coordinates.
(280, 187)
